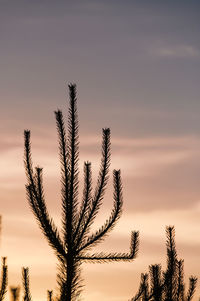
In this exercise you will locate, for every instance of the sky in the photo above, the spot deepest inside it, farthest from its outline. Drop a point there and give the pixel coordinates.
(136, 66)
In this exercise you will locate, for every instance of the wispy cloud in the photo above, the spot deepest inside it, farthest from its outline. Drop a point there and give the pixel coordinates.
(141, 156)
(178, 51)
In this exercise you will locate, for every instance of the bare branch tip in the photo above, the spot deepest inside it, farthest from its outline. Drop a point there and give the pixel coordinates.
(106, 131)
(27, 134)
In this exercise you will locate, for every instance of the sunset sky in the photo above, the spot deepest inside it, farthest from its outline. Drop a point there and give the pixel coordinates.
(137, 68)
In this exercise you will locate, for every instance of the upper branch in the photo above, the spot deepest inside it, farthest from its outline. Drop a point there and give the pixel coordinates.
(64, 159)
(170, 274)
(101, 185)
(116, 212)
(156, 281)
(86, 199)
(28, 161)
(73, 145)
(192, 287)
(36, 200)
(180, 276)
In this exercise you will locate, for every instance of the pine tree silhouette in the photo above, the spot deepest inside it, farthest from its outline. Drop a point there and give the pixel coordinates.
(26, 287)
(72, 245)
(169, 285)
(15, 290)
(4, 276)
(4, 279)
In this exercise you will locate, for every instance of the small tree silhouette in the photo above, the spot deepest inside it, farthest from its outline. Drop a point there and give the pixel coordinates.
(14, 290)
(26, 289)
(168, 285)
(76, 239)
(4, 279)
(4, 276)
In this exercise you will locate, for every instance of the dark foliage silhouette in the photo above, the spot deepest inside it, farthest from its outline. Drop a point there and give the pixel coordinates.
(49, 295)
(4, 279)
(75, 240)
(4, 275)
(26, 289)
(169, 285)
(14, 291)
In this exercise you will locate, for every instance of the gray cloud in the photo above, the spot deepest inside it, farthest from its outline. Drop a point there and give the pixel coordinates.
(178, 51)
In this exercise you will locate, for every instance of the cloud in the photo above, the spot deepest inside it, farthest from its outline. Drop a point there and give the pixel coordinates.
(139, 157)
(187, 232)
(178, 51)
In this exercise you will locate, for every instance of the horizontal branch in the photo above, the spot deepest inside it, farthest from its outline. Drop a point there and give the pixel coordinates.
(101, 257)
